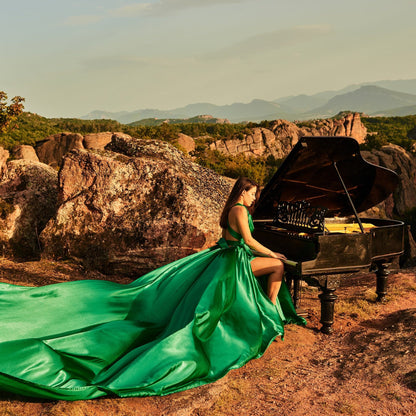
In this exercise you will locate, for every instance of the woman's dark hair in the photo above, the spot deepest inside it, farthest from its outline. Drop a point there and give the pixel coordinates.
(242, 184)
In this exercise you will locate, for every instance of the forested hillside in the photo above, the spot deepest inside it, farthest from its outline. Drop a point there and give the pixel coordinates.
(397, 130)
(31, 128)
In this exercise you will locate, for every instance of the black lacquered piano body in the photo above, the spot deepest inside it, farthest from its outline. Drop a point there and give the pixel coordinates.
(328, 174)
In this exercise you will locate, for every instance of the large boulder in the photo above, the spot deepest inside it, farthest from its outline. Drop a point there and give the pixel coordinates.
(403, 200)
(403, 163)
(28, 194)
(134, 207)
(4, 155)
(25, 152)
(53, 148)
(186, 142)
(97, 141)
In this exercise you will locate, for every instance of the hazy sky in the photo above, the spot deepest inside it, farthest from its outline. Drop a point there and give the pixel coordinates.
(68, 57)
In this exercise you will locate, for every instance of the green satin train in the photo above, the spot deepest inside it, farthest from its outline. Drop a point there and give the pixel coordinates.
(183, 325)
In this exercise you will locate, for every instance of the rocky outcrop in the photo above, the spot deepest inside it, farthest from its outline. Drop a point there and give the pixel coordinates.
(404, 164)
(210, 119)
(28, 193)
(4, 155)
(355, 128)
(279, 139)
(97, 141)
(261, 142)
(51, 150)
(403, 200)
(55, 147)
(134, 207)
(206, 119)
(187, 143)
(276, 141)
(25, 152)
(349, 125)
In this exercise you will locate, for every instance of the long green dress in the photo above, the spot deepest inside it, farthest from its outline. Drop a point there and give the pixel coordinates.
(183, 325)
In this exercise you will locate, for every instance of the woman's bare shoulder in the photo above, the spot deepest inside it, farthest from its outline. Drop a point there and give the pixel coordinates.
(238, 210)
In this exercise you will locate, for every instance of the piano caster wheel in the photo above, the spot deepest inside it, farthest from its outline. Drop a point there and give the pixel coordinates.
(327, 329)
(381, 297)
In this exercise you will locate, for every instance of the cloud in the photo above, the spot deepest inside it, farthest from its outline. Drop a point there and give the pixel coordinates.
(128, 63)
(136, 9)
(162, 7)
(275, 40)
(104, 63)
(83, 20)
(157, 8)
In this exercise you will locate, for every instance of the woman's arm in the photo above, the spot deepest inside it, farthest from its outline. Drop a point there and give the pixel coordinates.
(239, 214)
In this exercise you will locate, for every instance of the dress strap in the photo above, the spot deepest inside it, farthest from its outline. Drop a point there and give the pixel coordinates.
(250, 219)
(232, 232)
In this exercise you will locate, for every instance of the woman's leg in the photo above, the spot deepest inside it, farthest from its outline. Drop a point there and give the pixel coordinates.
(274, 268)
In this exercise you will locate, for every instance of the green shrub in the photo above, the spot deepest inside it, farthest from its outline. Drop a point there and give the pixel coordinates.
(383, 130)
(258, 169)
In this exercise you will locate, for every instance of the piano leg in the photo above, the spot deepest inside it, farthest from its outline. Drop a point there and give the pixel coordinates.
(289, 280)
(296, 293)
(328, 298)
(293, 284)
(328, 284)
(381, 286)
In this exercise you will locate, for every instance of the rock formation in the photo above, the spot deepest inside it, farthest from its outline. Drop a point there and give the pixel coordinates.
(187, 143)
(136, 206)
(210, 119)
(97, 141)
(131, 205)
(348, 125)
(403, 200)
(282, 135)
(4, 155)
(260, 142)
(25, 152)
(53, 148)
(403, 163)
(28, 193)
(277, 140)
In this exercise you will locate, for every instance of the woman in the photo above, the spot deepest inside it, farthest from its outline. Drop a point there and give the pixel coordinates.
(236, 221)
(180, 326)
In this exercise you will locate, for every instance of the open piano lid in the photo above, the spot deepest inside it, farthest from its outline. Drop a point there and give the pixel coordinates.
(308, 174)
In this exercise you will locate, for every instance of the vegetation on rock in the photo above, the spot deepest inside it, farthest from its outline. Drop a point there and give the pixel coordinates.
(9, 112)
(259, 169)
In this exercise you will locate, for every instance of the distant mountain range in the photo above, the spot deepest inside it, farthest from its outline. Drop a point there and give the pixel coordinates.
(381, 98)
(194, 120)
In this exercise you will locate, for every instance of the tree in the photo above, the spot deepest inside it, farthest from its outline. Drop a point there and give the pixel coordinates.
(9, 113)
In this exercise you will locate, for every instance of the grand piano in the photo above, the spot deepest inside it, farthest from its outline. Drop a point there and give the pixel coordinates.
(309, 212)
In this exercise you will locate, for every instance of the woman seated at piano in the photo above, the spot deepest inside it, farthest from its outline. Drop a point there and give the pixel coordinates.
(237, 226)
(180, 326)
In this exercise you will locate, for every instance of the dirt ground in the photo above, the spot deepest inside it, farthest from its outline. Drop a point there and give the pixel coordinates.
(366, 367)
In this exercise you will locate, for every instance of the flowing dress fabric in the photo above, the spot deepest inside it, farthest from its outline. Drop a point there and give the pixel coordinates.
(183, 325)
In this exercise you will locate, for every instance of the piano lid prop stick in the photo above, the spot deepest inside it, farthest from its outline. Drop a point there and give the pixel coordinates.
(348, 196)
